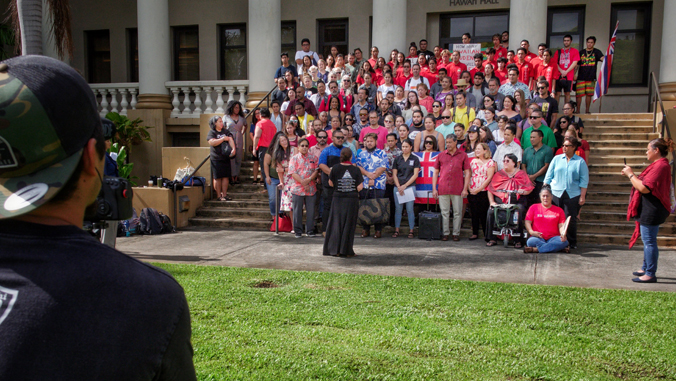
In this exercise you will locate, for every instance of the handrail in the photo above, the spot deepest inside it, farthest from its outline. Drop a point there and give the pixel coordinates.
(267, 96)
(664, 122)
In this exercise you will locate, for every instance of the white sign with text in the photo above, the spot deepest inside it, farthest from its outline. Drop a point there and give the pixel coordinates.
(467, 52)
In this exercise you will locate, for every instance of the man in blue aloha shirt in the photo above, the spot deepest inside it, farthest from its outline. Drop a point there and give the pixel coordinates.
(373, 163)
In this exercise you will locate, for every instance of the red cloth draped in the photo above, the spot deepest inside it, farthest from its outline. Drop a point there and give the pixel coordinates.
(657, 178)
(503, 181)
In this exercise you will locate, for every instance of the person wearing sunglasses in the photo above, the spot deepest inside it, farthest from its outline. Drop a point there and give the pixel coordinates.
(535, 119)
(568, 177)
(373, 163)
(548, 105)
(422, 138)
(447, 125)
(303, 169)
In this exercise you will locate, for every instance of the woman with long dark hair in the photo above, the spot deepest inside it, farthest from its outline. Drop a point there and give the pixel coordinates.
(255, 119)
(220, 162)
(235, 120)
(650, 204)
(346, 180)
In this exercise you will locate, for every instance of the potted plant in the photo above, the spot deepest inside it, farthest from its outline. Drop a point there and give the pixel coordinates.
(129, 132)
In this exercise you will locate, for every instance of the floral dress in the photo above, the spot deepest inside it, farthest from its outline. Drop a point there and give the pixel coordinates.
(285, 205)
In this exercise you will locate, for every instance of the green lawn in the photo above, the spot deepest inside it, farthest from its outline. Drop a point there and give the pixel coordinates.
(325, 326)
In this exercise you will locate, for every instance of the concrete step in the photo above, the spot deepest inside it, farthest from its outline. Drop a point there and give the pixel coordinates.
(622, 239)
(601, 194)
(610, 186)
(610, 150)
(616, 116)
(232, 223)
(607, 205)
(614, 167)
(625, 227)
(616, 129)
(596, 136)
(610, 216)
(260, 214)
(618, 144)
(241, 204)
(247, 195)
(614, 122)
(617, 159)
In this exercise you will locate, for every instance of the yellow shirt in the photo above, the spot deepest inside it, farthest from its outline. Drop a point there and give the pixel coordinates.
(464, 116)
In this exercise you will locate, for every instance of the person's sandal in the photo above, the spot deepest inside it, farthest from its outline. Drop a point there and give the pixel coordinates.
(396, 234)
(527, 250)
(410, 234)
(227, 198)
(473, 237)
(491, 243)
(518, 245)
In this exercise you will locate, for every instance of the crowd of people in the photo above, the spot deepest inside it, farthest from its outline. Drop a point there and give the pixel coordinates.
(419, 119)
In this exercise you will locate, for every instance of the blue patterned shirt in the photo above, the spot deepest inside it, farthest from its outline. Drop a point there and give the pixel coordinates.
(509, 89)
(371, 161)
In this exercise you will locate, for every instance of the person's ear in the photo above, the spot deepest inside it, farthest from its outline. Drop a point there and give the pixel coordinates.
(90, 158)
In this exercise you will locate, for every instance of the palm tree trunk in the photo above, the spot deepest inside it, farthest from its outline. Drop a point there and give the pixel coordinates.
(30, 22)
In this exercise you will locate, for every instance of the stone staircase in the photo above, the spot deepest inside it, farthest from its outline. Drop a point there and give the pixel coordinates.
(612, 138)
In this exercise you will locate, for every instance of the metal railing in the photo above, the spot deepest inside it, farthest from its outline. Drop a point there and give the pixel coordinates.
(655, 99)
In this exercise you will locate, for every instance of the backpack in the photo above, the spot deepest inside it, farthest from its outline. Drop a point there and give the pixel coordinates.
(150, 222)
(167, 227)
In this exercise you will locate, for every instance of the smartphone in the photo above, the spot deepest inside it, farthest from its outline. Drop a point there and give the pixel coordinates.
(625, 161)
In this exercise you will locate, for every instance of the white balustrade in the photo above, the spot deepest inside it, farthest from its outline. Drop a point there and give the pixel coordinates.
(192, 98)
(114, 97)
(189, 98)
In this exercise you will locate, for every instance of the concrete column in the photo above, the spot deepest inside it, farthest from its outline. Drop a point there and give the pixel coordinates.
(265, 42)
(154, 54)
(389, 27)
(527, 21)
(667, 75)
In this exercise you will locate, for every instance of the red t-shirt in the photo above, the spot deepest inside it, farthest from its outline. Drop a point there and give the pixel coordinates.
(526, 71)
(530, 56)
(268, 131)
(567, 58)
(535, 63)
(474, 71)
(546, 220)
(502, 75)
(500, 52)
(454, 70)
(380, 131)
(401, 80)
(432, 77)
(549, 71)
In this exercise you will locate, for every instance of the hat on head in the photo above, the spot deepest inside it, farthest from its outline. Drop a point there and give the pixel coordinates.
(47, 115)
(472, 129)
(461, 83)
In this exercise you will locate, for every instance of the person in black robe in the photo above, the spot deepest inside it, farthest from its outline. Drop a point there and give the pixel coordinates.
(346, 180)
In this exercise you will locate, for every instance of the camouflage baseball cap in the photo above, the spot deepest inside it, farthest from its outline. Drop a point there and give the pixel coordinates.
(47, 115)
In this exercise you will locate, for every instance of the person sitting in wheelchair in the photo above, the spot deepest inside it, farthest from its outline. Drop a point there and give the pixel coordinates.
(508, 186)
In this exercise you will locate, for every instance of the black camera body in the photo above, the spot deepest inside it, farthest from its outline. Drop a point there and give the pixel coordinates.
(114, 202)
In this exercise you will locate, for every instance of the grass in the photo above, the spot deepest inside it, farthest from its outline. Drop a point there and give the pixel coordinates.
(251, 324)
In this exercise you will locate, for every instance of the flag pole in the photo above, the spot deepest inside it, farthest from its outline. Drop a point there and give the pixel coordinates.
(600, 104)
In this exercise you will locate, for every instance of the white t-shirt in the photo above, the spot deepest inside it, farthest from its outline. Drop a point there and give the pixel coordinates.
(300, 54)
(383, 90)
(412, 83)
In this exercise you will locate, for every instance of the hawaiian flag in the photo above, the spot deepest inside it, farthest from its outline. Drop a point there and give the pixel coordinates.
(423, 184)
(604, 77)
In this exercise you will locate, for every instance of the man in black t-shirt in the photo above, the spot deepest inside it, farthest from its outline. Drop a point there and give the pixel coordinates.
(586, 75)
(548, 105)
(70, 307)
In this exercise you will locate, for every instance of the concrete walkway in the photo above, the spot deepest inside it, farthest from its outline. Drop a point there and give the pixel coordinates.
(590, 266)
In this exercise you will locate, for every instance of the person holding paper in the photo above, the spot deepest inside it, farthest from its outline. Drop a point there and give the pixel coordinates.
(405, 172)
(546, 226)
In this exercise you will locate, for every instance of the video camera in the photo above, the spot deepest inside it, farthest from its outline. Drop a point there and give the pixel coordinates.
(114, 202)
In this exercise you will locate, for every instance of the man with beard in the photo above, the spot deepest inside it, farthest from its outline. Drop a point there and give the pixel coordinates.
(65, 296)
(416, 124)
